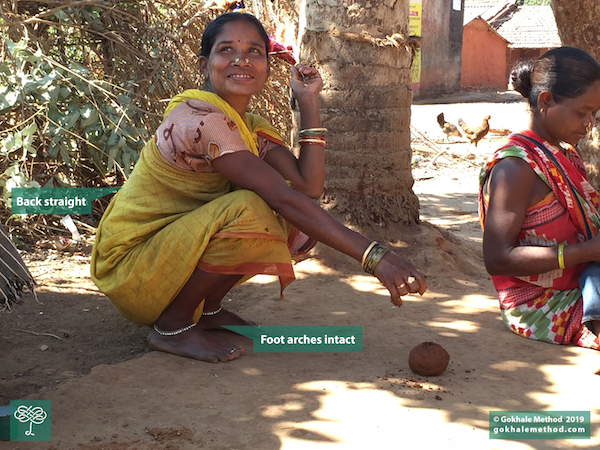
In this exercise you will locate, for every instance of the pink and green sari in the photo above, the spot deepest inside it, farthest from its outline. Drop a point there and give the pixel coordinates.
(548, 307)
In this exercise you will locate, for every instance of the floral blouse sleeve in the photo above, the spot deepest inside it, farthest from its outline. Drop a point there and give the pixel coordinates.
(195, 132)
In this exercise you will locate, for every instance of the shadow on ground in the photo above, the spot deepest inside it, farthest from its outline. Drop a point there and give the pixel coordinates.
(302, 400)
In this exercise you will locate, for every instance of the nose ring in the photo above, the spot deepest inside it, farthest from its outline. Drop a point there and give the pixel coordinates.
(247, 60)
(237, 60)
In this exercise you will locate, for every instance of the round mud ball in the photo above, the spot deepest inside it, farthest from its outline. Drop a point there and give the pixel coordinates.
(428, 359)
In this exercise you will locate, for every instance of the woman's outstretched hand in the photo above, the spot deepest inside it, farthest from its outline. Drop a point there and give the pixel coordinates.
(399, 277)
(305, 80)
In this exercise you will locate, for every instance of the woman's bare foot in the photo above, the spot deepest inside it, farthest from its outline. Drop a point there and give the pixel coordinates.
(224, 317)
(197, 344)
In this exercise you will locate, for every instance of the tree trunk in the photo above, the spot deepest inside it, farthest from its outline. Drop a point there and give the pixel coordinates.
(365, 105)
(578, 23)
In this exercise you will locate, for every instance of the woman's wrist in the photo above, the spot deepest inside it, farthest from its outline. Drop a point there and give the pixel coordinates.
(308, 100)
(579, 253)
(372, 256)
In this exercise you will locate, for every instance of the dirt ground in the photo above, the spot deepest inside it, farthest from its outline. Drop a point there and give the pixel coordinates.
(108, 392)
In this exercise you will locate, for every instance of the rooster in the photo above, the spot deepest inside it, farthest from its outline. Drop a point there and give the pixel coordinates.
(448, 128)
(14, 275)
(475, 134)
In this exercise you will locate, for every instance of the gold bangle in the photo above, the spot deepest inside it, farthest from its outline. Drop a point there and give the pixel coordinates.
(561, 256)
(310, 132)
(312, 141)
(371, 245)
(373, 258)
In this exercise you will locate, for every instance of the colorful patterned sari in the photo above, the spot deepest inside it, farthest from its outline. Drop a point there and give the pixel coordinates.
(166, 221)
(548, 306)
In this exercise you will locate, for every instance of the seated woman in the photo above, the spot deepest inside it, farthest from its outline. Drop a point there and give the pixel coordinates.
(538, 211)
(208, 205)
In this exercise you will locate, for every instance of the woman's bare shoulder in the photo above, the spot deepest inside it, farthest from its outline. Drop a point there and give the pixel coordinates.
(512, 169)
(513, 178)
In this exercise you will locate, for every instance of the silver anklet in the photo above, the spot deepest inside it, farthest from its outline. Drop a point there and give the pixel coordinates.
(175, 332)
(212, 313)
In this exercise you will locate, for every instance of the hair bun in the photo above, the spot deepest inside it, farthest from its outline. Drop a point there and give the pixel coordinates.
(520, 78)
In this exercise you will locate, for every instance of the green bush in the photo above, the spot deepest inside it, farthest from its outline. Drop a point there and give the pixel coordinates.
(66, 117)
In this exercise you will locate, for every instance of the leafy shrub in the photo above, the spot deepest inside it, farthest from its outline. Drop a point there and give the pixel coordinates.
(83, 84)
(67, 120)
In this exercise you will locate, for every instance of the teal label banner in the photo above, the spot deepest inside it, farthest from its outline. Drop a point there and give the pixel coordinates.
(300, 339)
(56, 200)
(540, 425)
(30, 420)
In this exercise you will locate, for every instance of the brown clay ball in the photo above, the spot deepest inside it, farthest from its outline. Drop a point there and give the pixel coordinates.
(428, 359)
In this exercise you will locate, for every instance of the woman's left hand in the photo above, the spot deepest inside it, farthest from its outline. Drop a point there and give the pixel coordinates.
(305, 80)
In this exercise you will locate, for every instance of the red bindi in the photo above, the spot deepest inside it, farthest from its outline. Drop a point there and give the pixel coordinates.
(239, 40)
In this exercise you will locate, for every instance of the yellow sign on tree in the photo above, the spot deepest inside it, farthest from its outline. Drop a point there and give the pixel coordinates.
(414, 25)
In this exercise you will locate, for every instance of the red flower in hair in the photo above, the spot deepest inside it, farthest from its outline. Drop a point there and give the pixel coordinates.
(278, 50)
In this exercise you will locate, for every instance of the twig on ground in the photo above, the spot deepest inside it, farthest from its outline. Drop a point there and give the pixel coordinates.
(439, 151)
(85, 225)
(40, 334)
(49, 227)
(432, 162)
(430, 143)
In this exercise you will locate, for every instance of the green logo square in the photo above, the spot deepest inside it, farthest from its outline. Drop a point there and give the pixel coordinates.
(30, 420)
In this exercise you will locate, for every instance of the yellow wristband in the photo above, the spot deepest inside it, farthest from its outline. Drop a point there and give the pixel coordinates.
(561, 256)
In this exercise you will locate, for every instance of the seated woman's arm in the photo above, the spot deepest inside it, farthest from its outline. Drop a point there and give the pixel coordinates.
(513, 188)
(307, 173)
(250, 172)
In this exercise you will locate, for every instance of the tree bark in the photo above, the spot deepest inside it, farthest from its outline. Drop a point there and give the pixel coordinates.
(365, 104)
(578, 23)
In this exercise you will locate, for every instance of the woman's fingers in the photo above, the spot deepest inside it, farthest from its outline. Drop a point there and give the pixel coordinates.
(306, 71)
(412, 285)
(398, 301)
(304, 76)
(400, 277)
(417, 283)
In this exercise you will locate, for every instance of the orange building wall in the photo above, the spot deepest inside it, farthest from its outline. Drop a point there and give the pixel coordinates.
(484, 57)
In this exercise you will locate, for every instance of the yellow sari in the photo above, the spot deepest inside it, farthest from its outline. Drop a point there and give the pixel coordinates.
(166, 221)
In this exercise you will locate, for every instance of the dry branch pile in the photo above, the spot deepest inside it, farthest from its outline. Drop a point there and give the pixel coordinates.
(83, 85)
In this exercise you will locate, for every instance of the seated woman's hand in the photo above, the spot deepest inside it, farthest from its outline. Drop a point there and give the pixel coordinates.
(305, 80)
(399, 277)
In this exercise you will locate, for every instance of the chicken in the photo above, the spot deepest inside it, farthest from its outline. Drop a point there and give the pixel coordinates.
(475, 134)
(447, 128)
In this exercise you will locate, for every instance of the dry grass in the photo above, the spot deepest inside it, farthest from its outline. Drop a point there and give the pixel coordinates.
(150, 45)
(147, 49)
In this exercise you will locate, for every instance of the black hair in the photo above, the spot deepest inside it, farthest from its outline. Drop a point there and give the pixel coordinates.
(214, 28)
(566, 72)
